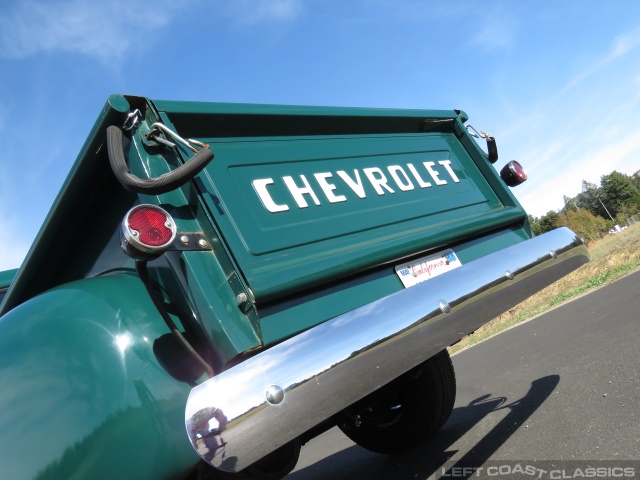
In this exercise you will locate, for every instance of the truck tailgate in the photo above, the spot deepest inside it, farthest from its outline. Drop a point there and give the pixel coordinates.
(301, 210)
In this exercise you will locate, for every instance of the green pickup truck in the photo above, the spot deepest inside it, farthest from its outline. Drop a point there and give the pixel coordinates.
(216, 284)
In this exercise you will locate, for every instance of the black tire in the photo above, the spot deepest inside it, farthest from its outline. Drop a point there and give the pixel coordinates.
(405, 412)
(277, 464)
(274, 466)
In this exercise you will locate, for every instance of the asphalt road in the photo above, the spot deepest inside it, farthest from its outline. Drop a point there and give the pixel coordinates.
(564, 386)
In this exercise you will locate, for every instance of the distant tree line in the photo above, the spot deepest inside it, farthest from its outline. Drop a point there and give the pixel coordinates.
(596, 209)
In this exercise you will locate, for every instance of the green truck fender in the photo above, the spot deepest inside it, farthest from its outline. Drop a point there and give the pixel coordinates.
(83, 390)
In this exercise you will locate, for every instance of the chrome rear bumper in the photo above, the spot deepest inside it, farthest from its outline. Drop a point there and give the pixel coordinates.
(279, 394)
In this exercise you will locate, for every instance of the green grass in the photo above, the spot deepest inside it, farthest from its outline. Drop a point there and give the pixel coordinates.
(611, 258)
(591, 284)
(611, 243)
(604, 278)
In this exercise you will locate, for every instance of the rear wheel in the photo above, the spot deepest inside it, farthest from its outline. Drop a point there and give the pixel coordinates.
(406, 411)
(274, 466)
(277, 464)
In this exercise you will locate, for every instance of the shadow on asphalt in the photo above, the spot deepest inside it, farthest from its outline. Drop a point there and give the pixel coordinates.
(430, 457)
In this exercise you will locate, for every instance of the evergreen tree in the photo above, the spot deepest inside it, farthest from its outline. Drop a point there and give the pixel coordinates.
(549, 221)
(620, 193)
(569, 204)
(535, 225)
(635, 178)
(589, 198)
(595, 209)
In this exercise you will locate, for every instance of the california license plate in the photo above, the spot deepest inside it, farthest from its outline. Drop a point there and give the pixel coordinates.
(425, 268)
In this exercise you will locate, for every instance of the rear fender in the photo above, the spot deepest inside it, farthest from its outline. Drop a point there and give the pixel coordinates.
(83, 394)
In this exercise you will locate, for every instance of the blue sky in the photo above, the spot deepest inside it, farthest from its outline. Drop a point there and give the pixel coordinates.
(557, 83)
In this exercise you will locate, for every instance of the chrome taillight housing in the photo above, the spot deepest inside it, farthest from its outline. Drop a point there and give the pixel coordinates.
(147, 232)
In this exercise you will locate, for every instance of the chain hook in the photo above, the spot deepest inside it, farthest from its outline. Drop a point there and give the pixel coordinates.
(157, 127)
(133, 120)
(476, 133)
(492, 148)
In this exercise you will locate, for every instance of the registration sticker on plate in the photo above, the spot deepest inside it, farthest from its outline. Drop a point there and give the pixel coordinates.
(425, 268)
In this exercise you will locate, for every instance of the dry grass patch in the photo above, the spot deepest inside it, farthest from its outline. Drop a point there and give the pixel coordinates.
(611, 258)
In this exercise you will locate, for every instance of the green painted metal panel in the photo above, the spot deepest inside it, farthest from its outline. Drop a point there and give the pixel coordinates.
(342, 199)
(7, 277)
(307, 211)
(307, 310)
(80, 238)
(299, 212)
(303, 196)
(367, 205)
(84, 395)
(213, 118)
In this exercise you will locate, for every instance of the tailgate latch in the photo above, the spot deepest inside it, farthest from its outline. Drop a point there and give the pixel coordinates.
(492, 148)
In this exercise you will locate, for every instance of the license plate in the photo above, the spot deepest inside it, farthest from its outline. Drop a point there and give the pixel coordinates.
(425, 268)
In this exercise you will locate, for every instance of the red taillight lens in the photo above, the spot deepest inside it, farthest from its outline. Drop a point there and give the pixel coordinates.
(151, 226)
(147, 230)
(513, 174)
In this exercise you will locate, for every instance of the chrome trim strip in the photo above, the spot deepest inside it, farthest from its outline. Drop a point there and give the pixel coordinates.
(272, 398)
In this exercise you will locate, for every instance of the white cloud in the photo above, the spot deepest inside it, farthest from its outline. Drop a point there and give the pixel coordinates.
(105, 30)
(108, 29)
(581, 131)
(624, 43)
(13, 244)
(497, 30)
(251, 12)
(13, 247)
(558, 181)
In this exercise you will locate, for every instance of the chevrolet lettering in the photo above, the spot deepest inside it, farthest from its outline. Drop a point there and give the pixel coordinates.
(217, 284)
(394, 178)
